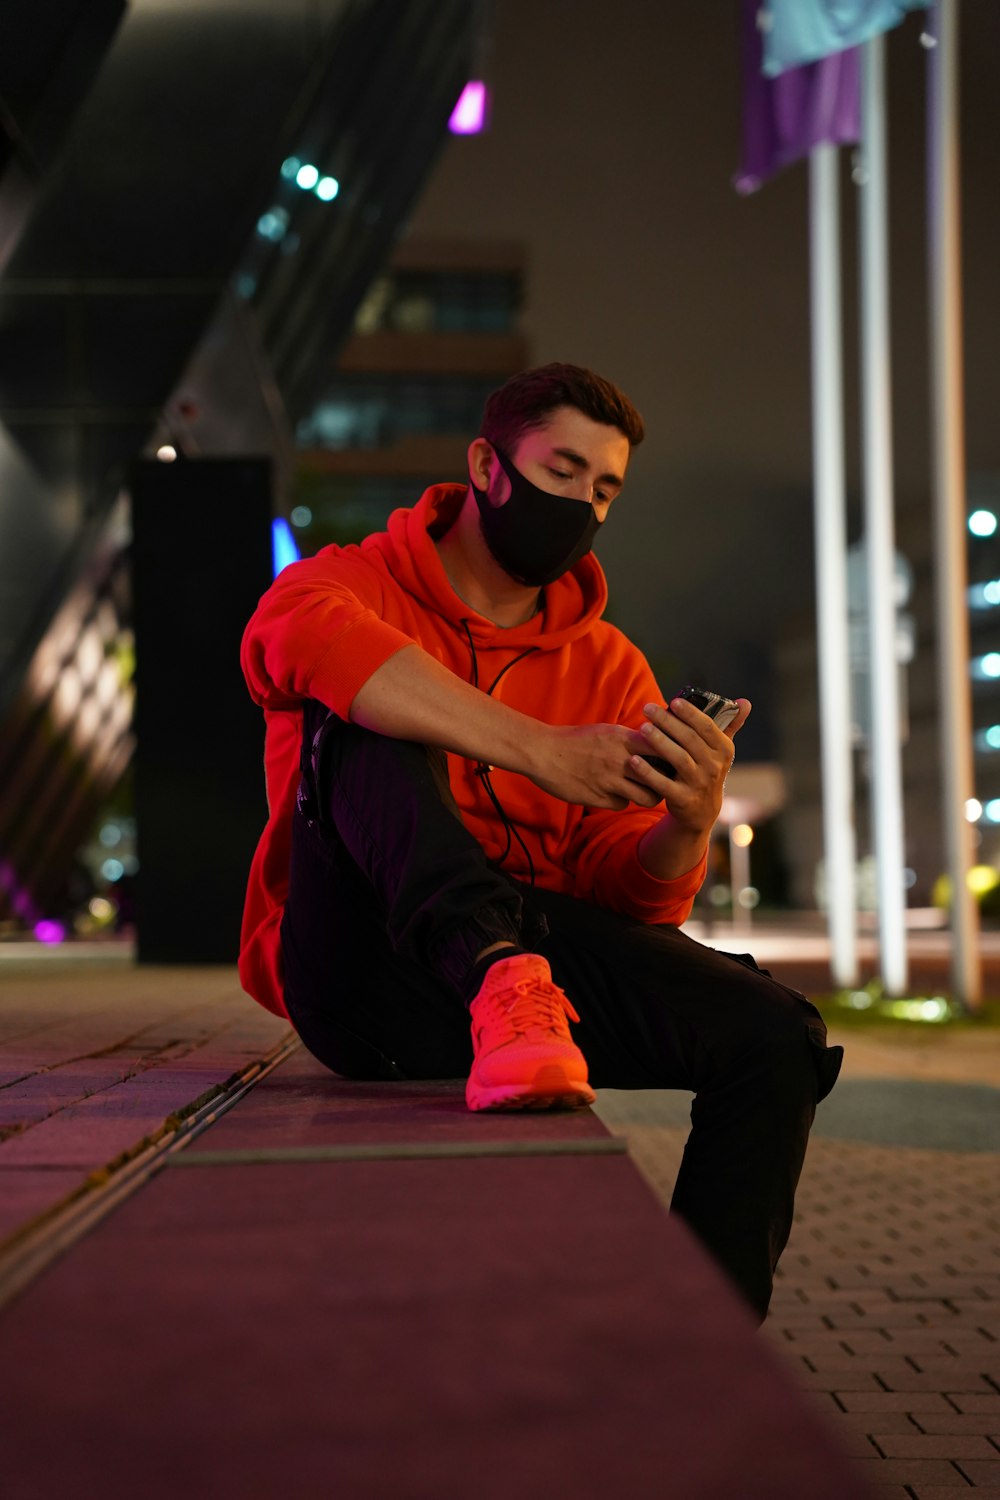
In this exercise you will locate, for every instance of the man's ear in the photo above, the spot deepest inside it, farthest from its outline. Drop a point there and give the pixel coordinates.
(481, 462)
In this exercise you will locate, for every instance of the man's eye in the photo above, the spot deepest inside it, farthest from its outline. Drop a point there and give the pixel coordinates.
(560, 473)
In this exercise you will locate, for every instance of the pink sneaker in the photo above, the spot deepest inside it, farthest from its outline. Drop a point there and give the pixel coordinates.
(525, 1057)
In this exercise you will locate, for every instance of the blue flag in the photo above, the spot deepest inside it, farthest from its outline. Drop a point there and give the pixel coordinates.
(802, 31)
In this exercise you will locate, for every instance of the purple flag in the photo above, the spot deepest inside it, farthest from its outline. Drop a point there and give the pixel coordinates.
(785, 117)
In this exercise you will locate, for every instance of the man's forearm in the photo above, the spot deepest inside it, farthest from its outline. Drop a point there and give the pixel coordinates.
(413, 697)
(669, 850)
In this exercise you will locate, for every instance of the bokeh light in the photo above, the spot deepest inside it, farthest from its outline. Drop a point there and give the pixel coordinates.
(50, 932)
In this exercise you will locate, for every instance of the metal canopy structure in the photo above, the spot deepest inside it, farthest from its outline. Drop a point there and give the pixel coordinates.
(141, 150)
(138, 222)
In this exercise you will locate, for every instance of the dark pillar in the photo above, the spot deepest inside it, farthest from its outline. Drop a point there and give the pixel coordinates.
(201, 560)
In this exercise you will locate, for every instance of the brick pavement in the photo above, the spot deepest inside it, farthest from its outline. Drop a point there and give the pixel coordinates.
(887, 1302)
(95, 1061)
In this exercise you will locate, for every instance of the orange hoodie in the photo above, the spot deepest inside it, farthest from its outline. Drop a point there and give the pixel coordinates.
(328, 622)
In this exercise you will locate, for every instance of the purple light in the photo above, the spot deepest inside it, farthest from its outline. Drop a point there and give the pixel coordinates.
(47, 931)
(20, 899)
(469, 115)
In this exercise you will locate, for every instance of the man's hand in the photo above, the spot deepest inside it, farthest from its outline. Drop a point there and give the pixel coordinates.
(590, 764)
(701, 754)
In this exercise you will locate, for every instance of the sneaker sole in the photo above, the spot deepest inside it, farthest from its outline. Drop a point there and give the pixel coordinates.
(563, 1095)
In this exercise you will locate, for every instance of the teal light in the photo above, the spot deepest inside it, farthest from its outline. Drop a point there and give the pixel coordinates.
(984, 595)
(327, 188)
(289, 167)
(307, 177)
(273, 225)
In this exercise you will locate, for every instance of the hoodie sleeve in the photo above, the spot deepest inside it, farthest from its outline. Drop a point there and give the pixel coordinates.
(318, 633)
(603, 853)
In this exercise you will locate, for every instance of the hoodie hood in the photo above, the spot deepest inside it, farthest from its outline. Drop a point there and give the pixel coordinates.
(569, 606)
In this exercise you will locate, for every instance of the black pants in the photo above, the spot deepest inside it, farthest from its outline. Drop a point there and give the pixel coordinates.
(390, 902)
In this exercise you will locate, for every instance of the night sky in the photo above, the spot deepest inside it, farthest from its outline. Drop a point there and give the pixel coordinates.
(615, 136)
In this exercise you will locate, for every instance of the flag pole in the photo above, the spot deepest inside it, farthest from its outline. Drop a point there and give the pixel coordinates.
(948, 453)
(886, 782)
(830, 527)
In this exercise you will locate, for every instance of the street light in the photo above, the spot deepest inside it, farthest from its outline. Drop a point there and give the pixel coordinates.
(740, 839)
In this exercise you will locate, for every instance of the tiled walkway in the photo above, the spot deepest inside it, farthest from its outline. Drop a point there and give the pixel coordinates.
(887, 1304)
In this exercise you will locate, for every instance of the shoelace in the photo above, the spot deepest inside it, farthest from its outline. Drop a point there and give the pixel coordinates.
(536, 1002)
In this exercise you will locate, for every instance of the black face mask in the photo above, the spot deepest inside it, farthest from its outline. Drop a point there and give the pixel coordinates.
(535, 536)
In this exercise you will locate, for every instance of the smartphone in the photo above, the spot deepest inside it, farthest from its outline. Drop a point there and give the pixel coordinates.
(722, 710)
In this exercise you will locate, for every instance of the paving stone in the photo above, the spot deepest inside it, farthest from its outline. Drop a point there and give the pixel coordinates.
(856, 1443)
(981, 1424)
(885, 1361)
(844, 1302)
(961, 1289)
(906, 1316)
(930, 1380)
(980, 1472)
(875, 1341)
(930, 1343)
(818, 1347)
(951, 1446)
(844, 1382)
(880, 1401)
(972, 1401)
(845, 1320)
(825, 1402)
(906, 1470)
(953, 1492)
(987, 1365)
(883, 1421)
